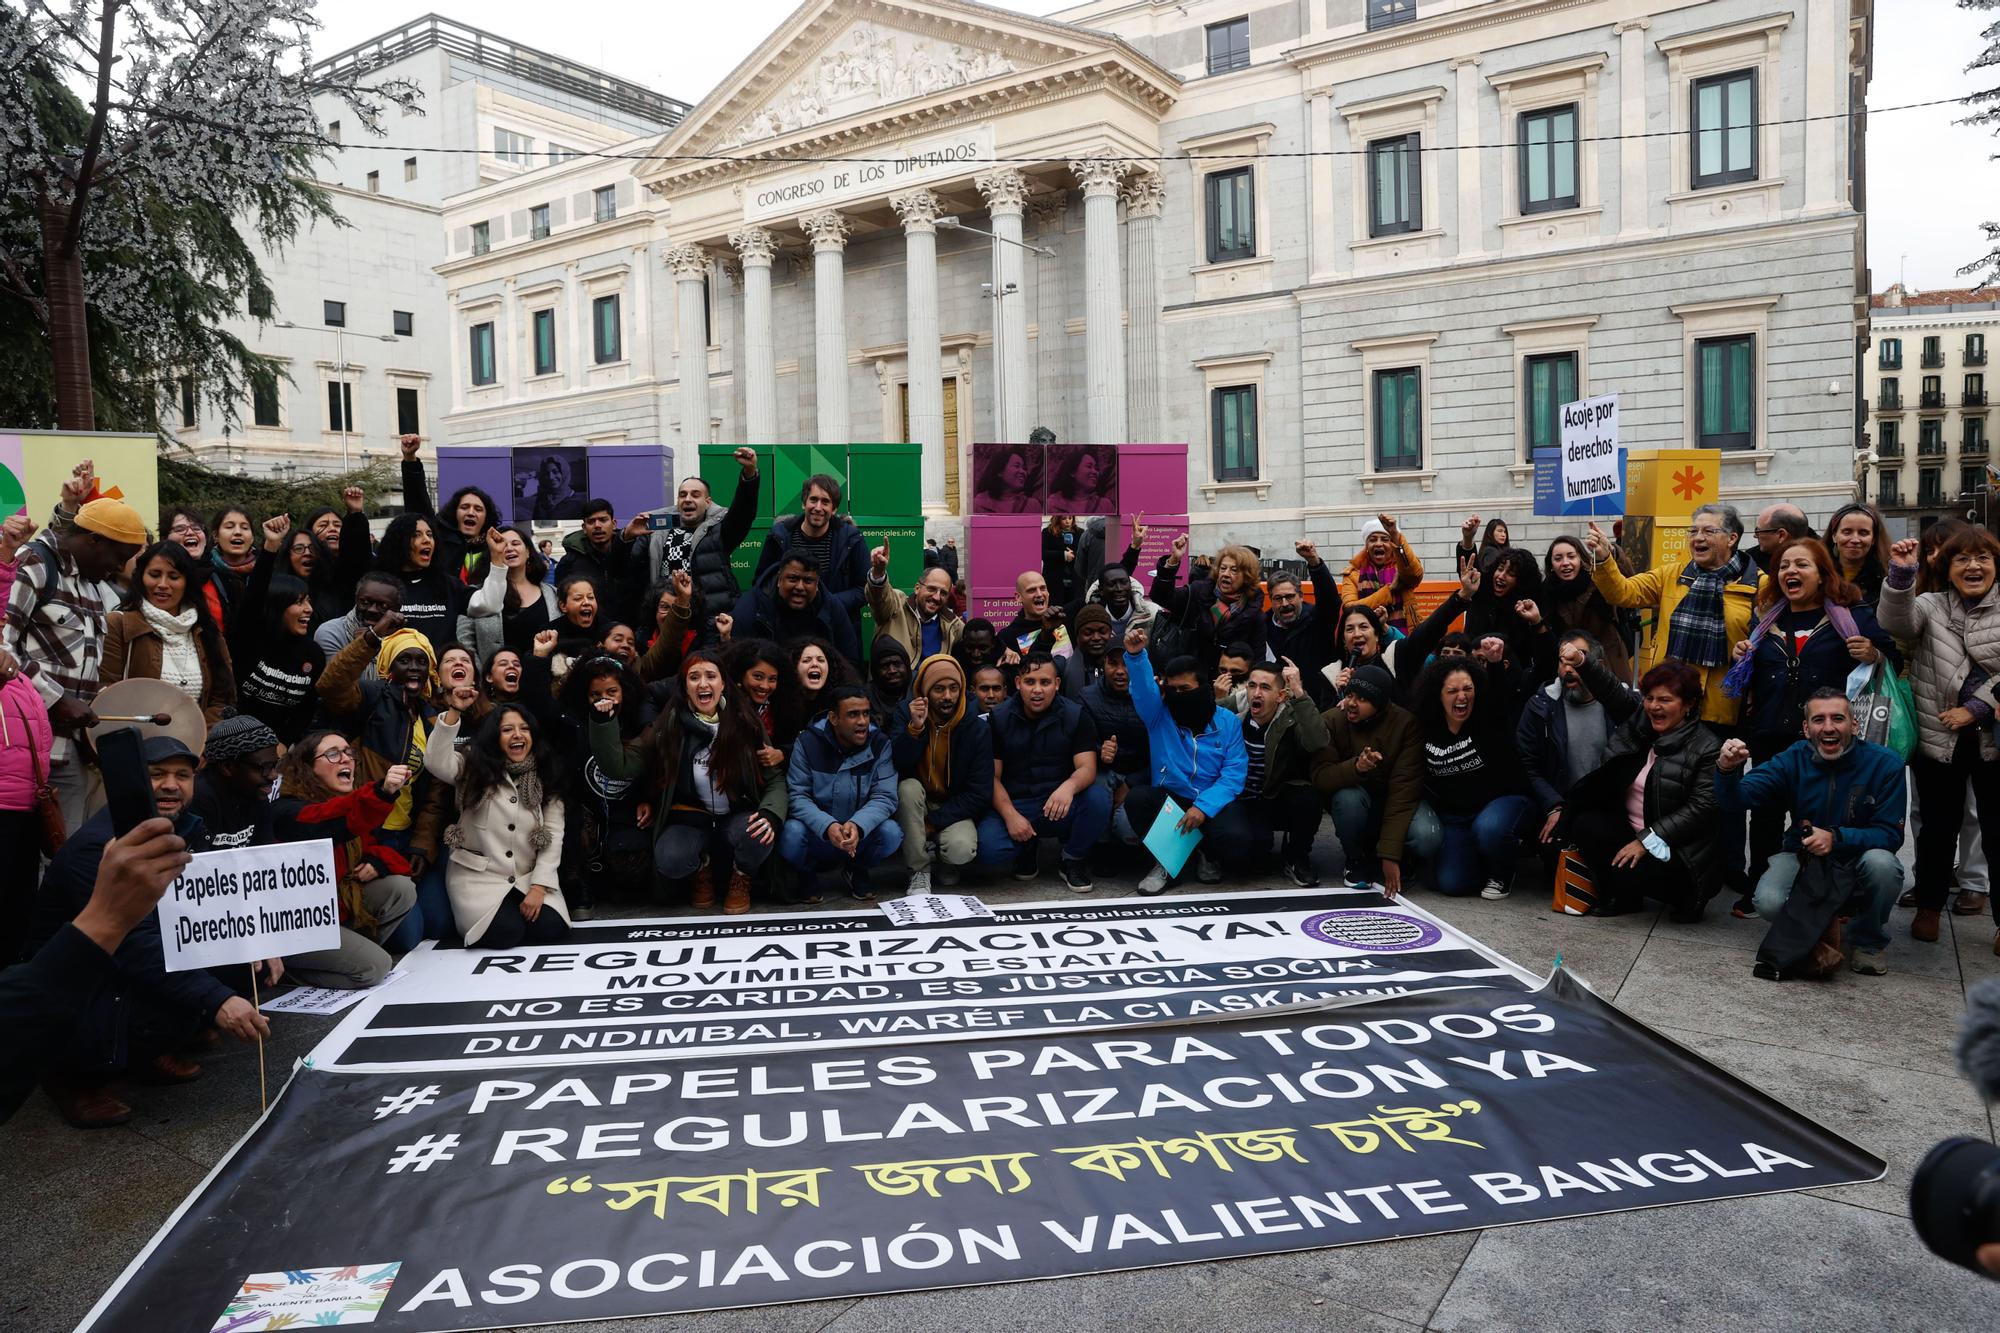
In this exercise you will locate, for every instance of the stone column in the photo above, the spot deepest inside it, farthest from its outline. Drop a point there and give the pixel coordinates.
(828, 230)
(919, 211)
(690, 264)
(578, 353)
(1632, 187)
(1144, 195)
(1465, 105)
(1103, 328)
(756, 247)
(1006, 192)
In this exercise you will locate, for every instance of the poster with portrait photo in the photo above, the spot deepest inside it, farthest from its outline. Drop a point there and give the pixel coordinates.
(1083, 479)
(551, 483)
(1007, 478)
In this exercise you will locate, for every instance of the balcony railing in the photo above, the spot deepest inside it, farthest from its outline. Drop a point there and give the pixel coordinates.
(1930, 499)
(1891, 362)
(1975, 356)
(1889, 499)
(1889, 449)
(1933, 360)
(1972, 446)
(1930, 399)
(1931, 447)
(1973, 398)
(1889, 402)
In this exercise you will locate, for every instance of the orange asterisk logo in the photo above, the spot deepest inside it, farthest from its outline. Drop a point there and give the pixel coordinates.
(1688, 483)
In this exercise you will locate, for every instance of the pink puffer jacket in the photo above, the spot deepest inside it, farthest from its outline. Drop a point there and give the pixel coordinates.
(24, 729)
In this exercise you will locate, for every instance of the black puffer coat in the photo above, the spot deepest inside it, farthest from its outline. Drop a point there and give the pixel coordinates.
(1680, 792)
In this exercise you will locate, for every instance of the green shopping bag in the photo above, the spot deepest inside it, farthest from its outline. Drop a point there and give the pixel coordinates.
(1885, 711)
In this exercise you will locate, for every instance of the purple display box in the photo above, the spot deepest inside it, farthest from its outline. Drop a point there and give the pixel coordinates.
(1152, 480)
(634, 477)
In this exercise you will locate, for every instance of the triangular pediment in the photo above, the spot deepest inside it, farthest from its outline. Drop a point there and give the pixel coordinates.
(836, 59)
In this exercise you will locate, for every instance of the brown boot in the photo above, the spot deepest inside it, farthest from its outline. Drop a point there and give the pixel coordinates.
(1969, 903)
(737, 901)
(704, 890)
(1827, 955)
(86, 1103)
(165, 1069)
(1925, 925)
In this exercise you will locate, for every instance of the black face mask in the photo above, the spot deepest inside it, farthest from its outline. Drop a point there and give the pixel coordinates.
(1192, 709)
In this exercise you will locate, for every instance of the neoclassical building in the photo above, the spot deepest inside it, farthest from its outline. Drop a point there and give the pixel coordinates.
(1355, 253)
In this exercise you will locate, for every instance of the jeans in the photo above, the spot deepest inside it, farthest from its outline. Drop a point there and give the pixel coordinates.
(957, 843)
(1357, 822)
(805, 850)
(677, 852)
(1231, 828)
(1089, 813)
(1881, 874)
(1466, 851)
(358, 961)
(1767, 822)
(1941, 790)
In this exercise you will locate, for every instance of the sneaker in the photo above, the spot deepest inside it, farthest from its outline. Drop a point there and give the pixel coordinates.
(1156, 881)
(1027, 860)
(920, 881)
(582, 911)
(1076, 875)
(1744, 908)
(859, 886)
(1355, 879)
(1869, 964)
(945, 873)
(1301, 874)
(1496, 889)
(1205, 870)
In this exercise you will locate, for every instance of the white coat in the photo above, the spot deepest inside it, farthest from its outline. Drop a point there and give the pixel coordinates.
(499, 853)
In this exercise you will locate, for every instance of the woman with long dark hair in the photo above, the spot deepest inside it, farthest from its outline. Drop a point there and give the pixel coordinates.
(1059, 552)
(511, 601)
(1493, 539)
(504, 854)
(761, 678)
(817, 666)
(609, 817)
(718, 807)
(1469, 825)
(232, 555)
(165, 630)
(1508, 603)
(1646, 819)
(459, 531)
(1004, 482)
(1858, 541)
(318, 798)
(307, 558)
(433, 597)
(1570, 597)
(271, 650)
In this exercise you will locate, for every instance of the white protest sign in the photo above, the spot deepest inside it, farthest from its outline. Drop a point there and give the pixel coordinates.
(934, 909)
(250, 903)
(320, 1000)
(1590, 450)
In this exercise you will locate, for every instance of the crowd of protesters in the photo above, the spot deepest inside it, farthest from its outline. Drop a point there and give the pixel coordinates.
(498, 734)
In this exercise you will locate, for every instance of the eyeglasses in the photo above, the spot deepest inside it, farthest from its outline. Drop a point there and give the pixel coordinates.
(184, 527)
(337, 755)
(1705, 532)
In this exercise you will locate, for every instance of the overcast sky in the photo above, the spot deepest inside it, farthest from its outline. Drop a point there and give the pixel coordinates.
(1930, 182)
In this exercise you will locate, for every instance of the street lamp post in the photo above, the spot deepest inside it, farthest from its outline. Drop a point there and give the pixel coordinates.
(996, 292)
(340, 371)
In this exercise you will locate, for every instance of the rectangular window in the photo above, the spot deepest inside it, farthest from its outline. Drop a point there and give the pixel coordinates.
(335, 313)
(482, 237)
(264, 402)
(511, 147)
(1551, 382)
(1971, 480)
(1232, 215)
(604, 330)
(545, 342)
(1725, 129)
(560, 153)
(188, 415)
(1930, 486)
(1726, 392)
(374, 182)
(1930, 436)
(1388, 13)
(1548, 159)
(538, 222)
(409, 168)
(1975, 349)
(604, 203)
(1891, 395)
(1932, 394)
(333, 130)
(408, 421)
(1399, 421)
(1975, 433)
(259, 302)
(403, 322)
(340, 406)
(482, 354)
(1933, 353)
(1889, 443)
(1228, 46)
(1975, 391)
(1233, 432)
(1395, 190)
(1889, 489)
(1891, 354)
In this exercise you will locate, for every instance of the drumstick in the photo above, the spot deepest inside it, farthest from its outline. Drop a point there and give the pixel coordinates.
(157, 719)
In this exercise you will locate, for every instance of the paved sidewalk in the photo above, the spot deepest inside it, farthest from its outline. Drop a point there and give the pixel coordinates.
(1870, 1057)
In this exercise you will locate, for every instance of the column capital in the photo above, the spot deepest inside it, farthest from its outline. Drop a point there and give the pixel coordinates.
(689, 263)
(1462, 62)
(1631, 25)
(1005, 188)
(918, 211)
(827, 228)
(754, 246)
(1099, 176)
(1145, 194)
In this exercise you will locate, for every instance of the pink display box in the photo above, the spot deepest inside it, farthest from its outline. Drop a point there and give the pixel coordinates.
(995, 604)
(1000, 547)
(1152, 480)
(1161, 529)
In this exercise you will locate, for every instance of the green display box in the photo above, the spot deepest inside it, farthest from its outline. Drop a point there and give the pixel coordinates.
(885, 478)
(719, 469)
(796, 462)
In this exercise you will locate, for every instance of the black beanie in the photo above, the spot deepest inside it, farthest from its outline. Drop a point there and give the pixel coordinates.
(1373, 684)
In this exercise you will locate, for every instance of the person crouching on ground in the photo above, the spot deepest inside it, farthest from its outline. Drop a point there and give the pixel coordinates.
(505, 850)
(1198, 759)
(841, 785)
(944, 758)
(317, 798)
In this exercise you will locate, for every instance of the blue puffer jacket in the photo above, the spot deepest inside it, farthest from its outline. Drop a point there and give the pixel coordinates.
(828, 785)
(1209, 769)
(1860, 797)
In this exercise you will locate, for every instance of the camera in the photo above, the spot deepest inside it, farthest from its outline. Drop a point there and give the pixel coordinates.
(1955, 1200)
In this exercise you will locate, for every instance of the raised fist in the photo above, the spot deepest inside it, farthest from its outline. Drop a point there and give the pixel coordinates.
(395, 779)
(746, 458)
(1180, 547)
(354, 498)
(1308, 552)
(1904, 553)
(409, 444)
(388, 623)
(1135, 639)
(275, 529)
(724, 623)
(683, 588)
(1735, 754)
(545, 642)
(920, 713)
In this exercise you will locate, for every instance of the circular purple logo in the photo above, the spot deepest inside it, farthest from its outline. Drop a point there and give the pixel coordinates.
(1375, 932)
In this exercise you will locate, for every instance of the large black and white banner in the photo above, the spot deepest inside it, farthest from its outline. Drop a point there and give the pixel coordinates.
(523, 1196)
(637, 990)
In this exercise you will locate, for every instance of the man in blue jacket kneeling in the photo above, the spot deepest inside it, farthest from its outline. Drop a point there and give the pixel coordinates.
(1849, 793)
(1198, 759)
(842, 791)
